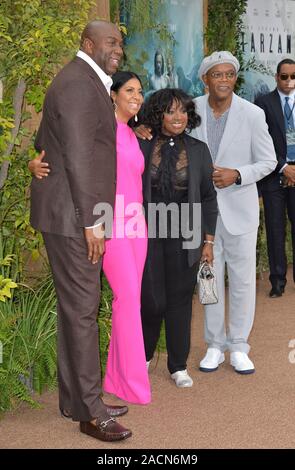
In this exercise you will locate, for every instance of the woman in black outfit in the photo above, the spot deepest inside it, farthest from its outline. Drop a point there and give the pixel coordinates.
(178, 169)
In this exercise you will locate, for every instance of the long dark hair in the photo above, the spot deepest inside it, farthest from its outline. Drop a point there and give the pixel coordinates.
(161, 101)
(159, 53)
(119, 79)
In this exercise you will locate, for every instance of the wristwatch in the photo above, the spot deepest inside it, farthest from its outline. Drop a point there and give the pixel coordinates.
(239, 178)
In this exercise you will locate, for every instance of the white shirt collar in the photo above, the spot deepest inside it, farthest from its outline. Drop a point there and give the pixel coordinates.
(283, 96)
(106, 79)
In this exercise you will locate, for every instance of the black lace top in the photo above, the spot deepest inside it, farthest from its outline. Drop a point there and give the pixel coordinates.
(169, 182)
(169, 170)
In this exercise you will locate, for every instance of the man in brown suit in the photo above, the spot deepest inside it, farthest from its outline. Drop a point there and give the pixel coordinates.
(78, 134)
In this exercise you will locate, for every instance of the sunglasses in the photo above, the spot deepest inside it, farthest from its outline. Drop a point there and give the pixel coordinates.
(285, 76)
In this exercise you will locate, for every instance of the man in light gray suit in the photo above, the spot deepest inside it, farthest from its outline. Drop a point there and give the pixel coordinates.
(243, 153)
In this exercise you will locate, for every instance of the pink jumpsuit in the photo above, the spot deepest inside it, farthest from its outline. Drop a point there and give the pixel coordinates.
(126, 373)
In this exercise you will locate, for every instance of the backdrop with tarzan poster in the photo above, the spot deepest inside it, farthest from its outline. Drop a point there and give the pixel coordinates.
(170, 54)
(269, 37)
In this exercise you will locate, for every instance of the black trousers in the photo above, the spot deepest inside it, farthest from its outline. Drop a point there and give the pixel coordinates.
(76, 282)
(276, 203)
(167, 290)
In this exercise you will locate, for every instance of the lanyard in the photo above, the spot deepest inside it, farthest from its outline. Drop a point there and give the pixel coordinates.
(291, 112)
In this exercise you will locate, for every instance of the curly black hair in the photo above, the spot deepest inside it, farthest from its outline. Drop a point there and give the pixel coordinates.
(161, 101)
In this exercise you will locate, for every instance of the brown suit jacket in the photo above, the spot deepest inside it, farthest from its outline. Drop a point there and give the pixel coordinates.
(78, 134)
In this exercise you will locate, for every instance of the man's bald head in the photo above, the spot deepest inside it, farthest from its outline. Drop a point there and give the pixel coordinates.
(102, 41)
(96, 27)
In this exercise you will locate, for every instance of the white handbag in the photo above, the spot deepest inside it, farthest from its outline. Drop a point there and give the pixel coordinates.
(206, 279)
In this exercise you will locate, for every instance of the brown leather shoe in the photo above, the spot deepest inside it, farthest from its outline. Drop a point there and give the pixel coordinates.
(108, 430)
(114, 410)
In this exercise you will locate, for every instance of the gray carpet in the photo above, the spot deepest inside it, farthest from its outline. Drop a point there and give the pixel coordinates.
(222, 410)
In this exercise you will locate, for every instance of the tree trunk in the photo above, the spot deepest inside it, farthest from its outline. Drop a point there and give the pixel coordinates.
(18, 99)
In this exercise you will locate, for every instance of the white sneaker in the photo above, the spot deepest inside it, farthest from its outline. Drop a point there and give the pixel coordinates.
(241, 363)
(148, 364)
(182, 379)
(211, 361)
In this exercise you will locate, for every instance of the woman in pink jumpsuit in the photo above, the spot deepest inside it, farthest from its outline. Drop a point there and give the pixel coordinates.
(126, 373)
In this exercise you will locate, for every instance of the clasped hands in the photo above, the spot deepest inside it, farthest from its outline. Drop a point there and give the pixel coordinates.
(223, 177)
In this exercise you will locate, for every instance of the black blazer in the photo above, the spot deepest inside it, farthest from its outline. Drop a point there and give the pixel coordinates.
(78, 134)
(200, 186)
(271, 105)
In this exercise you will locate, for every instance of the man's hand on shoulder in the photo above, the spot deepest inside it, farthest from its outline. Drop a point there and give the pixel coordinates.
(143, 132)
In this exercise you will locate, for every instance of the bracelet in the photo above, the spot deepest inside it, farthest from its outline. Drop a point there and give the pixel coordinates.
(209, 241)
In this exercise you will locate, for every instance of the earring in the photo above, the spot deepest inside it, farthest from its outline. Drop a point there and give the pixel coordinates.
(115, 106)
(135, 118)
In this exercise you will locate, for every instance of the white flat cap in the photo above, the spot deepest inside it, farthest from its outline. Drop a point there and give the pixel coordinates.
(216, 58)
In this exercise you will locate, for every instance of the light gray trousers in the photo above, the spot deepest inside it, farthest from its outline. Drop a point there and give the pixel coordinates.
(239, 254)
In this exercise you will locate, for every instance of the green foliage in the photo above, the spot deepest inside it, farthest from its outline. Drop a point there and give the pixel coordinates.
(7, 262)
(6, 124)
(143, 16)
(252, 64)
(223, 32)
(105, 321)
(28, 330)
(224, 25)
(6, 285)
(36, 38)
(261, 248)
(17, 237)
(28, 338)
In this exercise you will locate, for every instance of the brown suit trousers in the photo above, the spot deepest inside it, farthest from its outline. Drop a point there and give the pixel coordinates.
(79, 372)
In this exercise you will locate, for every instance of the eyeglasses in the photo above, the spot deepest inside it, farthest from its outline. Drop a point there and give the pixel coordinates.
(219, 75)
(285, 76)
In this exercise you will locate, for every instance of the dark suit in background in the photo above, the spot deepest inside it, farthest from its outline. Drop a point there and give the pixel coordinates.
(277, 200)
(77, 133)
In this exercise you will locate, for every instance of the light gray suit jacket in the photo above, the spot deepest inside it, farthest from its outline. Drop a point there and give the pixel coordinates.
(247, 147)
